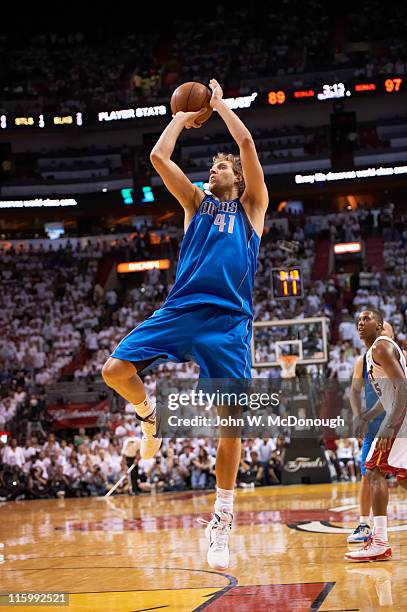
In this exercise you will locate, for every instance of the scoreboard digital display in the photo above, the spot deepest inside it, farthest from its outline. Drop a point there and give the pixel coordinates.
(329, 91)
(287, 283)
(277, 96)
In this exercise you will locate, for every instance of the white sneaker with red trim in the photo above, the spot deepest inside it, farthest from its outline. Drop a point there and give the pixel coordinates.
(374, 550)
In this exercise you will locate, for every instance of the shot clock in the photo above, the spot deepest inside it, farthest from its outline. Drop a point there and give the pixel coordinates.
(287, 283)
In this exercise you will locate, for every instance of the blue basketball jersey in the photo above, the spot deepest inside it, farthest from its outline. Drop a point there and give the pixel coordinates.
(371, 399)
(218, 259)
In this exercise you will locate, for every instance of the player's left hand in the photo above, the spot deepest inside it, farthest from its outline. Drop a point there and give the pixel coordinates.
(217, 92)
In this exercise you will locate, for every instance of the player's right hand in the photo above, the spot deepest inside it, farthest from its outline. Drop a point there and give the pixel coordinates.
(191, 119)
(359, 426)
(217, 92)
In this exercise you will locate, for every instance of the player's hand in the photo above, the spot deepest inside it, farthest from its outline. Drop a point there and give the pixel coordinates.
(359, 426)
(217, 92)
(191, 119)
(383, 444)
(385, 438)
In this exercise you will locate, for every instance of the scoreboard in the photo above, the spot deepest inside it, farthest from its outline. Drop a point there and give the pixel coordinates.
(391, 85)
(287, 283)
(274, 97)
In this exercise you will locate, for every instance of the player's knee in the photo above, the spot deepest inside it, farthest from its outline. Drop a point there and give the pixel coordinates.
(116, 370)
(373, 476)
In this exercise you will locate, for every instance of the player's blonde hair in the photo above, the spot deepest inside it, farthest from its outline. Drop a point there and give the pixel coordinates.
(236, 167)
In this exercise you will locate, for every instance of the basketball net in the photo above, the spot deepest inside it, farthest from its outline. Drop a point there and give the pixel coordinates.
(287, 364)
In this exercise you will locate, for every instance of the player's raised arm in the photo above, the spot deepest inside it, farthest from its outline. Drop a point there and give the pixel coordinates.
(255, 190)
(177, 183)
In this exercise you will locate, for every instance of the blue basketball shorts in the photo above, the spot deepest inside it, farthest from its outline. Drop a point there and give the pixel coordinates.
(367, 443)
(217, 340)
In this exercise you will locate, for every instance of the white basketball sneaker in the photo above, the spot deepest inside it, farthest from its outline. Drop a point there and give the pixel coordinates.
(150, 443)
(374, 550)
(217, 533)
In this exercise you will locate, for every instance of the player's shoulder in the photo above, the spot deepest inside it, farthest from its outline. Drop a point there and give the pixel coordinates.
(383, 346)
(382, 342)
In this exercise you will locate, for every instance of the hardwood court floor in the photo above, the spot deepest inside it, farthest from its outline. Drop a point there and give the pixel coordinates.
(148, 552)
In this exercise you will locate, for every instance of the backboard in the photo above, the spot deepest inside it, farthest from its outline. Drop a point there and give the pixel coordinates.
(306, 337)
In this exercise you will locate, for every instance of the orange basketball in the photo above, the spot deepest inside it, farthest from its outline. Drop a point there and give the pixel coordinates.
(192, 96)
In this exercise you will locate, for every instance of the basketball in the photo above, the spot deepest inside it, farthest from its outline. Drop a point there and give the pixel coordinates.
(192, 96)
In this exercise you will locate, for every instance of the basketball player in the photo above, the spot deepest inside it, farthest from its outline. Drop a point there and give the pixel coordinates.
(387, 371)
(208, 314)
(369, 426)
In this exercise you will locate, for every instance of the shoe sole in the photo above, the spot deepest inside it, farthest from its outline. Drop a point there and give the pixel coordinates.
(217, 567)
(386, 556)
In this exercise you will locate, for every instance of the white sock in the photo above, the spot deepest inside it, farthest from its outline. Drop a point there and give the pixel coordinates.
(144, 409)
(364, 520)
(224, 500)
(380, 527)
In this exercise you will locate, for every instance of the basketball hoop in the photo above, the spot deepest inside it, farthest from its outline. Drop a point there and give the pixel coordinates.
(287, 364)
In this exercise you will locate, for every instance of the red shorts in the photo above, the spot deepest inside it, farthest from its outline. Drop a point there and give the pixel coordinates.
(380, 460)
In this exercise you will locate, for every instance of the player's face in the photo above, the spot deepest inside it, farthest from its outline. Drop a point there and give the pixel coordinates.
(368, 326)
(221, 175)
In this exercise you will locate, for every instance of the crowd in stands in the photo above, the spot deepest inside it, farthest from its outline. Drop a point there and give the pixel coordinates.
(53, 307)
(90, 465)
(79, 71)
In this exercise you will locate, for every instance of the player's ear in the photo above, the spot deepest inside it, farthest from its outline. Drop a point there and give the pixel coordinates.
(239, 180)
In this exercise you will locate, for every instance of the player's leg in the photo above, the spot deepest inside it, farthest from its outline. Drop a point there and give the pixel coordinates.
(365, 500)
(378, 548)
(230, 335)
(227, 461)
(163, 336)
(380, 500)
(362, 532)
(218, 529)
(121, 375)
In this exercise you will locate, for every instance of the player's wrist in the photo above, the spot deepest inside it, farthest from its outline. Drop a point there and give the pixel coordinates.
(386, 431)
(180, 118)
(217, 103)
